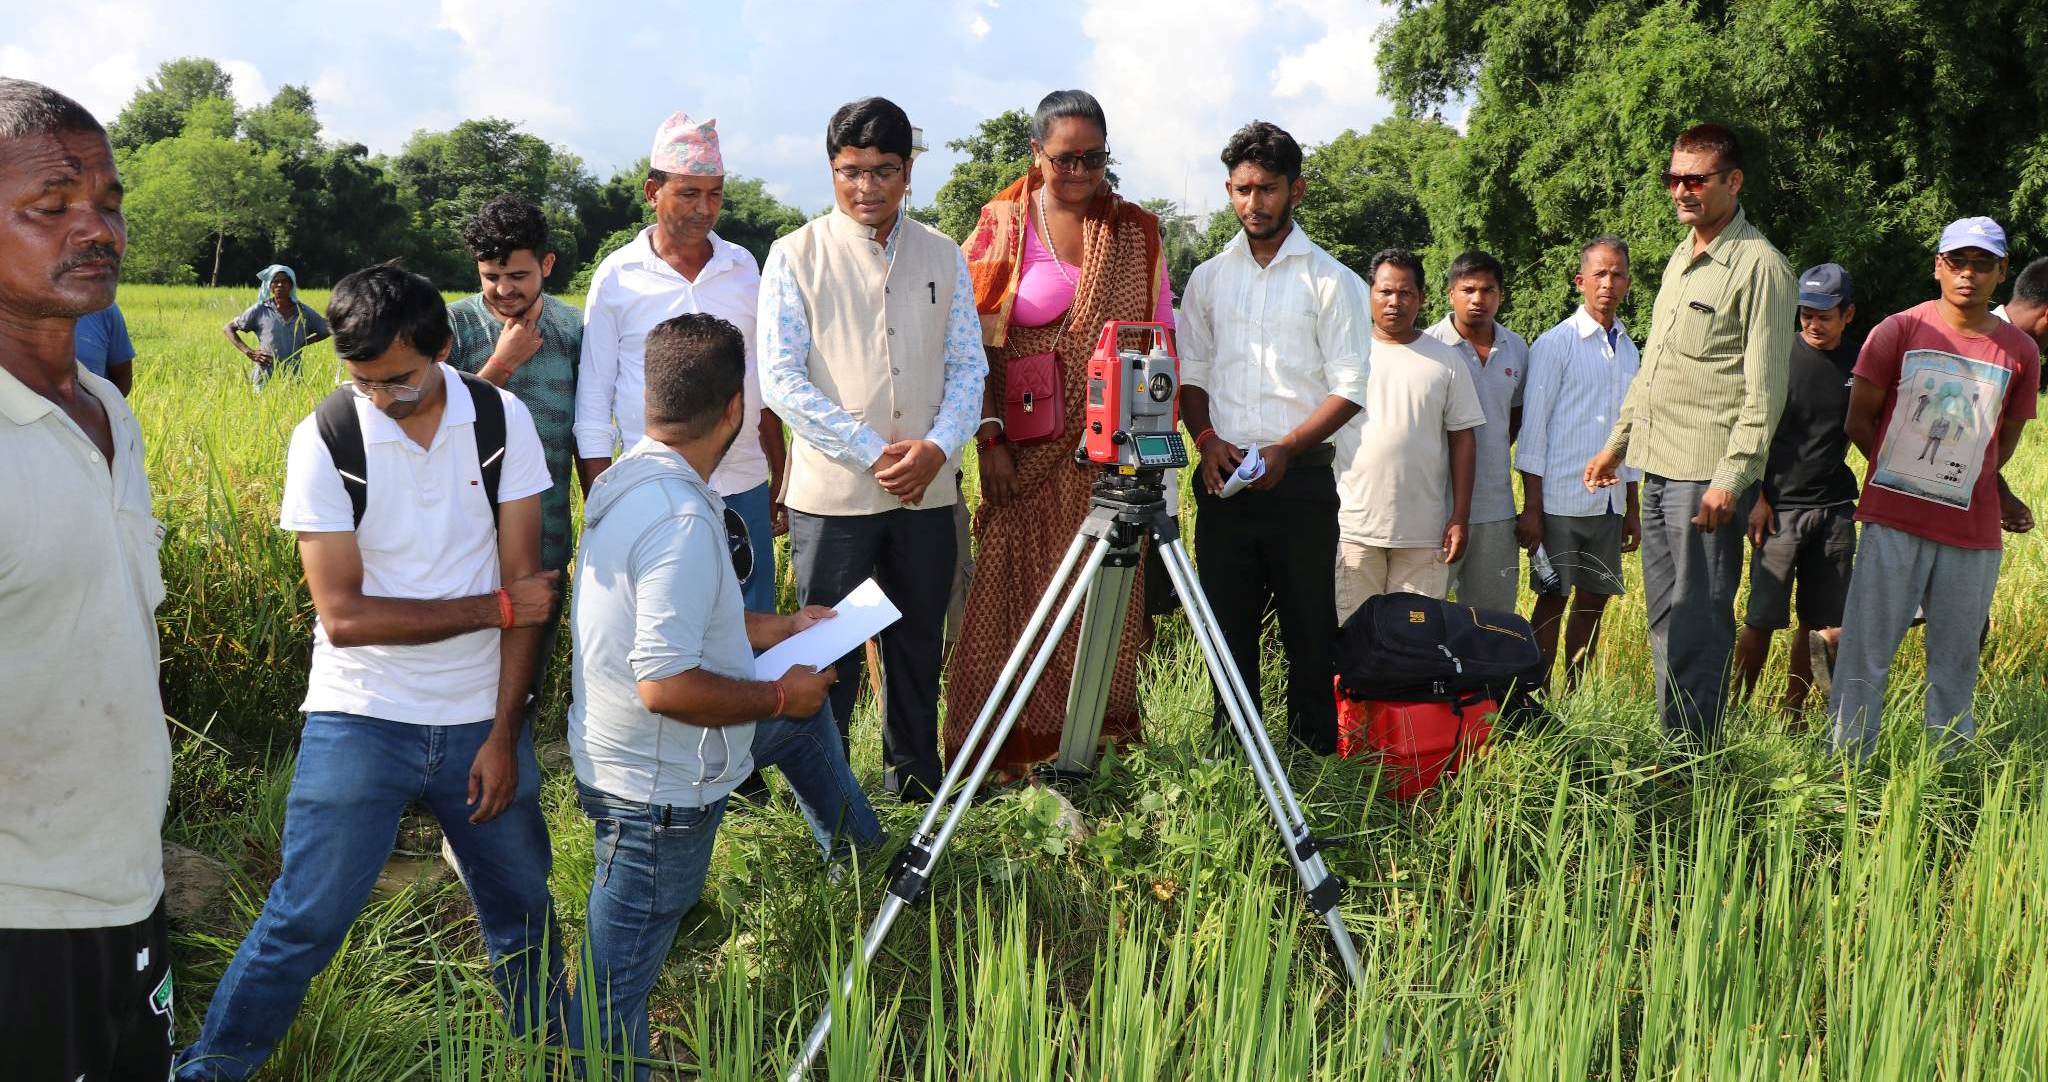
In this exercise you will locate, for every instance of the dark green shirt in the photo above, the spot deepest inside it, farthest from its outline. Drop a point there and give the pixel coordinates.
(1713, 378)
(546, 384)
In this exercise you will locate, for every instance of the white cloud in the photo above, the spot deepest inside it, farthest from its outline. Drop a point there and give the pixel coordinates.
(1333, 80)
(249, 88)
(98, 53)
(501, 44)
(978, 26)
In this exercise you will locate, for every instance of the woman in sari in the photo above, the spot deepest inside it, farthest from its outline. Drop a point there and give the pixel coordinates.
(1055, 256)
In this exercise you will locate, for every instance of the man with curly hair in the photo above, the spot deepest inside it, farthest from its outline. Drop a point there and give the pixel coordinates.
(516, 336)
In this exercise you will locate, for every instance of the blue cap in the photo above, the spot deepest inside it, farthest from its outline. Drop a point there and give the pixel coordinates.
(1825, 287)
(1973, 233)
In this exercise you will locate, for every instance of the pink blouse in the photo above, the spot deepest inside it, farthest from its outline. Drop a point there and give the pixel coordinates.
(1044, 294)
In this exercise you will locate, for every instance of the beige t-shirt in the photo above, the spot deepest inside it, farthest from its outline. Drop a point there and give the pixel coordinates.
(1394, 458)
(87, 759)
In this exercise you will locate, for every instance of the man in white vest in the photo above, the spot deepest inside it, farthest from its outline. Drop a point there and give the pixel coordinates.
(870, 350)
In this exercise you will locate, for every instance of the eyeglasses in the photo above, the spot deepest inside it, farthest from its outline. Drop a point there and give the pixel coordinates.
(399, 392)
(742, 545)
(1958, 263)
(1691, 181)
(883, 174)
(1077, 163)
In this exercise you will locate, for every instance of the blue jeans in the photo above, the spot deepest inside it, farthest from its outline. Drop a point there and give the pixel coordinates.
(757, 508)
(651, 860)
(355, 777)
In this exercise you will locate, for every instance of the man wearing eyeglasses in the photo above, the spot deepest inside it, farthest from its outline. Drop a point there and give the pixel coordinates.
(871, 353)
(1698, 422)
(1950, 380)
(428, 608)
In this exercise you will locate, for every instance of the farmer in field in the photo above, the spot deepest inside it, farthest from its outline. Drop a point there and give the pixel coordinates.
(283, 325)
(1405, 463)
(680, 264)
(1284, 386)
(517, 337)
(1497, 359)
(871, 352)
(415, 493)
(1698, 423)
(1579, 375)
(1931, 532)
(668, 715)
(1803, 527)
(85, 977)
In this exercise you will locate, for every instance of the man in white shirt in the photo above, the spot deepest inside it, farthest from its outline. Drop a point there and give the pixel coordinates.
(668, 714)
(423, 654)
(680, 264)
(1497, 359)
(1273, 355)
(1407, 461)
(1579, 375)
(85, 976)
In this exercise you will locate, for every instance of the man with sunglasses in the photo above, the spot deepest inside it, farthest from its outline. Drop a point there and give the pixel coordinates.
(428, 608)
(1931, 536)
(668, 716)
(871, 353)
(1698, 422)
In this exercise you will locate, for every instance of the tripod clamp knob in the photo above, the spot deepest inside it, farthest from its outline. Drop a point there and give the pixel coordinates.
(905, 880)
(1325, 895)
(1310, 845)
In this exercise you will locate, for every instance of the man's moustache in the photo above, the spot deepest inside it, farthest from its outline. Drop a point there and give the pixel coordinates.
(106, 253)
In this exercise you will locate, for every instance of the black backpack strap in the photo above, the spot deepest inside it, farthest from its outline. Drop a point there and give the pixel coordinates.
(490, 433)
(342, 431)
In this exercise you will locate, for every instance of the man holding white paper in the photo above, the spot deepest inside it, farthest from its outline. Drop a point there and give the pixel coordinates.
(1273, 339)
(668, 715)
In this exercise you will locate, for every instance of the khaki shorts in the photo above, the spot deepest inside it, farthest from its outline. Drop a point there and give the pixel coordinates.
(1365, 571)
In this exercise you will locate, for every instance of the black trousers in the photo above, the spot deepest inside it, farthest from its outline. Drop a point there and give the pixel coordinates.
(909, 552)
(1278, 550)
(91, 1004)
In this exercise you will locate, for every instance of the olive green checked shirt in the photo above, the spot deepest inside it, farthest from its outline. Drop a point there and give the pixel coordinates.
(1715, 368)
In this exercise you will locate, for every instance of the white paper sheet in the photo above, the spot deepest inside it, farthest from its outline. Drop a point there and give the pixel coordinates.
(1250, 469)
(863, 614)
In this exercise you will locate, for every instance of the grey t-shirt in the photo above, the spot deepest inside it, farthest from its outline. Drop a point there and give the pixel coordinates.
(656, 595)
(281, 335)
(1498, 383)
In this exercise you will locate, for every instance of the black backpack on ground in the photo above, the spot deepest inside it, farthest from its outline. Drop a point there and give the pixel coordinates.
(1412, 648)
(342, 431)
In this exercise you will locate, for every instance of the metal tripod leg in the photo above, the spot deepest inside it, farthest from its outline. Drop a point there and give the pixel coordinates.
(911, 871)
(1303, 849)
(1102, 634)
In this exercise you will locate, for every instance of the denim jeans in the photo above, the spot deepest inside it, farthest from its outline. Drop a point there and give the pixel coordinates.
(355, 777)
(757, 509)
(651, 860)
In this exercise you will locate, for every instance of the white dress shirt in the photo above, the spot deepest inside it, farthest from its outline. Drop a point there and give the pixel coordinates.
(631, 291)
(1270, 343)
(1578, 377)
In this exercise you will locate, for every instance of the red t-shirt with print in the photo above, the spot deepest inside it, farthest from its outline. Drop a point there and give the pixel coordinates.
(1946, 396)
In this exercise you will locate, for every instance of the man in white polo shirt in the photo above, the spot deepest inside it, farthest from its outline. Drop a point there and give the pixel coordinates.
(677, 265)
(423, 657)
(668, 715)
(85, 978)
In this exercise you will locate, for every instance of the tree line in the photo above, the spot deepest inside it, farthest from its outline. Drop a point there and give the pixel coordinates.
(1867, 126)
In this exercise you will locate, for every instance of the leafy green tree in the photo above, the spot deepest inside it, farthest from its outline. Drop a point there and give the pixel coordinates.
(158, 110)
(1180, 240)
(1361, 189)
(188, 188)
(346, 214)
(288, 124)
(997, 154)
(446, 176)
(1866, 126)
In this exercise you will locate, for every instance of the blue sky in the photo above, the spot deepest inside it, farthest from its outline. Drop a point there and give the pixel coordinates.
(1176, 76)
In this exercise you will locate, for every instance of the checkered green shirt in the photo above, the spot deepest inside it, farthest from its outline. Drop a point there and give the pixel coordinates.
(546, 385)
(1714, 371)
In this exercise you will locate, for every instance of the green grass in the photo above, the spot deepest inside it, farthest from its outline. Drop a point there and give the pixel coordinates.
(1578, 904)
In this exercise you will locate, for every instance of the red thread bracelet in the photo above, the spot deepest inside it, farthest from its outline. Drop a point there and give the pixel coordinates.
(1204, 436)
(781, 698)
(504, 608)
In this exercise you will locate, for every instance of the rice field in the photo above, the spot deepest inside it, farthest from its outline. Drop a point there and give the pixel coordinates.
(1583, 902)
